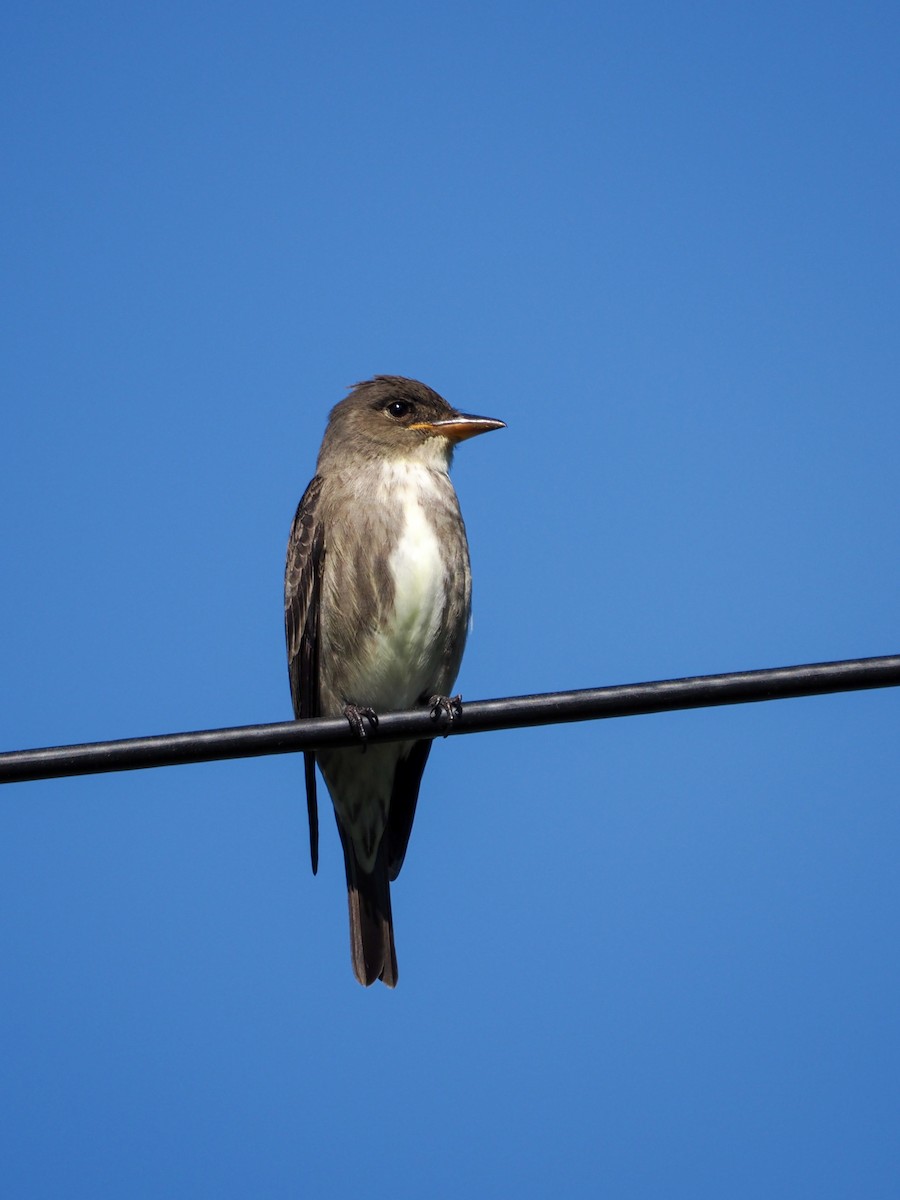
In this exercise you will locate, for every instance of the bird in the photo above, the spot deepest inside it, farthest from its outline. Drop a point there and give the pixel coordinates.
(377, 604)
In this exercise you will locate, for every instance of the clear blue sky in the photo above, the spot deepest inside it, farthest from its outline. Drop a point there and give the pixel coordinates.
(653, 957)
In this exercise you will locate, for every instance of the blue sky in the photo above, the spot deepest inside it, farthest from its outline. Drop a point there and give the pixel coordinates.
(640, 958)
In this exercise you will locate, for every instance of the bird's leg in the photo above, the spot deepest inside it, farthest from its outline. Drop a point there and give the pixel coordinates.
(356, 714)
(445, 707)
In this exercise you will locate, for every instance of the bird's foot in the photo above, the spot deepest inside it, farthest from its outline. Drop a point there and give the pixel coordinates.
(446, 708)
(357, 716)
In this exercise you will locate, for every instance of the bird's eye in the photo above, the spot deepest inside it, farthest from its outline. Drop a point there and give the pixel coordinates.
(399, 408)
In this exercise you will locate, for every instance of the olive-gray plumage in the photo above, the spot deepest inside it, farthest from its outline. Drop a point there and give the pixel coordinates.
(377, 600)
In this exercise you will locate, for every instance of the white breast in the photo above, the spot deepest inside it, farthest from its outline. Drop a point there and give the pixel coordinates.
(409, 649)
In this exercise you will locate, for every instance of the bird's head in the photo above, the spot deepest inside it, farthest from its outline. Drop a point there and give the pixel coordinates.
(393, 417)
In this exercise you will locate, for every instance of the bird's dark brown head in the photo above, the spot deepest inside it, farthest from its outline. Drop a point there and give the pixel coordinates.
(391, 416)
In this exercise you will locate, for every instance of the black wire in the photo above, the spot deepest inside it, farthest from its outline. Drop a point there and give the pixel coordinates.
(479, 716)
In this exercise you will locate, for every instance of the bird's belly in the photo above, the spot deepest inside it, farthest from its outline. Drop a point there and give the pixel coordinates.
(407, 652)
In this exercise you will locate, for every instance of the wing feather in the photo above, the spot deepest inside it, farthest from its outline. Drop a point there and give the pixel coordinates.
(302, 599)
(403, 804)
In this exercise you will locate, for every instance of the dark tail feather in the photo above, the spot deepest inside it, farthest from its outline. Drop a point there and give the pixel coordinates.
(371, 927)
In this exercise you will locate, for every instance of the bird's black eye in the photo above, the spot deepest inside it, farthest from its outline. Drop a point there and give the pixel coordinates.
(399, 408)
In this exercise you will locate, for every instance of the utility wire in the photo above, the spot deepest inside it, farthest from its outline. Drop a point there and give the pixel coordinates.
(479, 716)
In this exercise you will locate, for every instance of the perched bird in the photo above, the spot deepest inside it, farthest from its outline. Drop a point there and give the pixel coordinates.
(376, 604)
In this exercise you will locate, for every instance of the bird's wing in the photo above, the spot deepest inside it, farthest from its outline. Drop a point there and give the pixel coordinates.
(404, 795)
(302, 592)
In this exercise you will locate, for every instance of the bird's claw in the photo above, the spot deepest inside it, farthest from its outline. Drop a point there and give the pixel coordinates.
(448, 708)
(357, 716)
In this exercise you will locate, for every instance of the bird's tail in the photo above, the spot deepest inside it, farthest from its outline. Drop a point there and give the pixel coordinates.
(371, 927)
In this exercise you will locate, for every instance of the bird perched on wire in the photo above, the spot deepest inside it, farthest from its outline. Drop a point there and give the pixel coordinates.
(376, 601)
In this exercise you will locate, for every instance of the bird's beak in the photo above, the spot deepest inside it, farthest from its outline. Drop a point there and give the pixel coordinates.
(459, 427)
